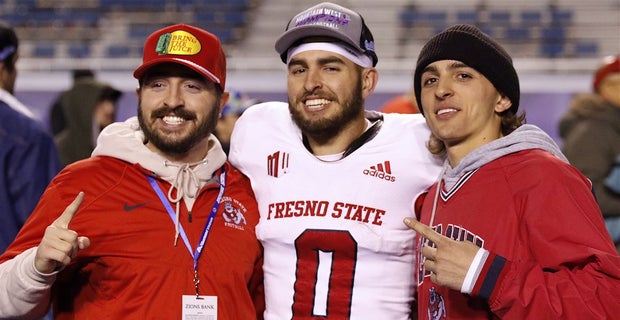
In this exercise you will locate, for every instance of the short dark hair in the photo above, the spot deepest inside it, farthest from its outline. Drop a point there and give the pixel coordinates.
(79, 74)
(110, 94)
(8, 46)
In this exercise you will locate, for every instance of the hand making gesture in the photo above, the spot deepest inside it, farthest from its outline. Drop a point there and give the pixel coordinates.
(60, 244)
(449, 260)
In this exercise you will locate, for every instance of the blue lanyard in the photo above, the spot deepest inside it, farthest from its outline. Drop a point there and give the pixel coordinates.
(205, 232)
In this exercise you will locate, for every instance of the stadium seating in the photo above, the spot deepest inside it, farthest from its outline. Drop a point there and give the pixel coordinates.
(549, 30)
(74, 29)
(96, 29)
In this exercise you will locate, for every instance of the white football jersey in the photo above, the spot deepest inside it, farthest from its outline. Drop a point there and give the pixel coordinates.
(333, 232)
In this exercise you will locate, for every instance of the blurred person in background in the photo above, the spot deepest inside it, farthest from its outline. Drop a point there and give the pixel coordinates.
(79, 115)
(28, 156)
(402, 103)
(590, 130)
(56, 116)
(613, 179)
(234, 108)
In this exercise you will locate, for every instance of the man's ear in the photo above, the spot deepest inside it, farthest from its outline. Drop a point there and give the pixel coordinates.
(370, 76)
(223, 102)
(502, 104)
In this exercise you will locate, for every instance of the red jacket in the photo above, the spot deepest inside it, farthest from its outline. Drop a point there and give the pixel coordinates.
(550, 255)
(132, 270)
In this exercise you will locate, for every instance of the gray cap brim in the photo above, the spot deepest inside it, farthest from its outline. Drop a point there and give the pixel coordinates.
(292, 36)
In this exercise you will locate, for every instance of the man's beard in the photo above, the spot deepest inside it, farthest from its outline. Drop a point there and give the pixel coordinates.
(178, 146)
(324, 130)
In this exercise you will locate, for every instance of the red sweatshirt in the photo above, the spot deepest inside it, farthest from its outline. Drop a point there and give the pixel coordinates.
(550, 255)
(132, 269)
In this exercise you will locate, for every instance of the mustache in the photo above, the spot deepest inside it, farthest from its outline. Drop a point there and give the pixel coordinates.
(179, 112)
(317, 93)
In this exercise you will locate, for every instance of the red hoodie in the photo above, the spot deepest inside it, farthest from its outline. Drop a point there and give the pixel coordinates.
(132, 268)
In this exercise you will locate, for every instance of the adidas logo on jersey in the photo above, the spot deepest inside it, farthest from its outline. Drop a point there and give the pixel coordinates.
(381, 171)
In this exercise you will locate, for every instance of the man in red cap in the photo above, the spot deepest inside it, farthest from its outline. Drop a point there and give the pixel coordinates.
(590, 129)
(165, 226)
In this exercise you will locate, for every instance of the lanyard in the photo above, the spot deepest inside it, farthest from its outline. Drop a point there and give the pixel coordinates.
(205, 232)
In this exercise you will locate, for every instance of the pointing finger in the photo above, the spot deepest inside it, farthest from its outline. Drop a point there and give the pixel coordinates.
(65, 218)
(426, 231)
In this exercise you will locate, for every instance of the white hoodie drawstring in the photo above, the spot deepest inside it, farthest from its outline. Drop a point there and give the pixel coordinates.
(439, 179)
(186, 182)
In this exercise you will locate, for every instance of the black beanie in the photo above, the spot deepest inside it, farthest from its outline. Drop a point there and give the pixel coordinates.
(467, 44)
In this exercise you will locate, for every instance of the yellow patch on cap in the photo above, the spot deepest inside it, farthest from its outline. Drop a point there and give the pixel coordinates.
(177, 42)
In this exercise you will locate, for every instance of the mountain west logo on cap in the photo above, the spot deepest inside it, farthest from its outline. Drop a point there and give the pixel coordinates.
(177, 42)
(328, 20)
(323, 17)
